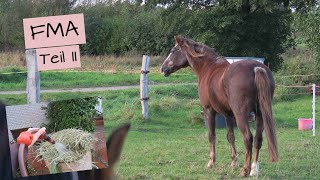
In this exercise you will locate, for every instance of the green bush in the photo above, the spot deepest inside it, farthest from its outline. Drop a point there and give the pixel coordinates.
(72, 113)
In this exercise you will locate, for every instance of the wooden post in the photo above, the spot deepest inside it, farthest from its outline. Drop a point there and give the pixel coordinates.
(314, 91)
(33, 77)
(144, 85)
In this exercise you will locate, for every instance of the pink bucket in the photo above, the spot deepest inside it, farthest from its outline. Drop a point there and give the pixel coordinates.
(304, 124)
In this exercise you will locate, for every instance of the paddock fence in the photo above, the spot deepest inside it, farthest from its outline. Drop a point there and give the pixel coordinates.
(288, 87)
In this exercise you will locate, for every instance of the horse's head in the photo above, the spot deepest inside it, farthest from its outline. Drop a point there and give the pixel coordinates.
(193, 49)
(174, 61)
(183, 50)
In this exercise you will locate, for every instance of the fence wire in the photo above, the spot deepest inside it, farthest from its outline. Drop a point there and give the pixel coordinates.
(287, 85)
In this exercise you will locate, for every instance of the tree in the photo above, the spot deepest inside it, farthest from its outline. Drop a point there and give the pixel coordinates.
(309, 28)
(14, 11)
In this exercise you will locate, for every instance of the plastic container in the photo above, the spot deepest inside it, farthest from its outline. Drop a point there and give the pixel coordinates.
(219, 121)
(304, 124)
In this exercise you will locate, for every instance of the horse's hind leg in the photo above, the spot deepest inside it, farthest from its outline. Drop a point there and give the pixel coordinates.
(231, 139)
(257, 145)
(210, 117)
(242, 122)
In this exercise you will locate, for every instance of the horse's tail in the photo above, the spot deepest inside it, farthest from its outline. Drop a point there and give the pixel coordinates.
(265, 104)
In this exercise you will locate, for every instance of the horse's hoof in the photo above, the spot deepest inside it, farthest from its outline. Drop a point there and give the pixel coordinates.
(234, 164)
(244, 172)
(253, 173)
(254, 169)
(210, 164)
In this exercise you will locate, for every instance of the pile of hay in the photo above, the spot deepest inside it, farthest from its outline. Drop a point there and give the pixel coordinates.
(76, 141)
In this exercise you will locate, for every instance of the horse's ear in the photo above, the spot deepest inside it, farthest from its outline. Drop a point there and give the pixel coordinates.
(115, 143)
(179, 40)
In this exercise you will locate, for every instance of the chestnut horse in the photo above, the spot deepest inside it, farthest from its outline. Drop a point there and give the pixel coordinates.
(235, 90)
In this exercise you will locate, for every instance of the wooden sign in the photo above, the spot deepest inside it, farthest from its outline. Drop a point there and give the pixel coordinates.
(58, 58)
(54, 31)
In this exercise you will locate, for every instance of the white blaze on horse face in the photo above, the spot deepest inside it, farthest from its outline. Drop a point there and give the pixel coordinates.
(168, 58)
(165, 63)
(170, 63)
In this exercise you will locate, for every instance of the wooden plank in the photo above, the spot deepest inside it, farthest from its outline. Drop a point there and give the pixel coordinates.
(144, 85)
(33, 77)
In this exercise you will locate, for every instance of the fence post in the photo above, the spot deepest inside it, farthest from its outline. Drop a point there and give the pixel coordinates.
(314, 89)
(33, 77)
(144, 85)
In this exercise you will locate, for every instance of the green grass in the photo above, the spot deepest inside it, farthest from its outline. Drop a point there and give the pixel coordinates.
(55, 80)
(172, 143)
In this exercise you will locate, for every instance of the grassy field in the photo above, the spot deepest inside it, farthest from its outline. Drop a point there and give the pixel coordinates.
(173, 143)
(88, 63)
(65, 80)
(96, 71)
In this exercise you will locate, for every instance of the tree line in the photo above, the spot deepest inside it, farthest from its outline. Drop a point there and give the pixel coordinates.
(260, 28)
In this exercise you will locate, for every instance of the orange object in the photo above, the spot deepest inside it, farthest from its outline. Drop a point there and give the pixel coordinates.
(25, 138)
(113, 70)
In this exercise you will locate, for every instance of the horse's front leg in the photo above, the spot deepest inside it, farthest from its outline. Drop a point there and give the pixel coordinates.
(231, 140)
(210, 117)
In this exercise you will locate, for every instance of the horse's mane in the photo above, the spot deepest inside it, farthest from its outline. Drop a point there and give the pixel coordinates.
(215, 56)
(221, 59)
(213, 50)
(203, 50)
